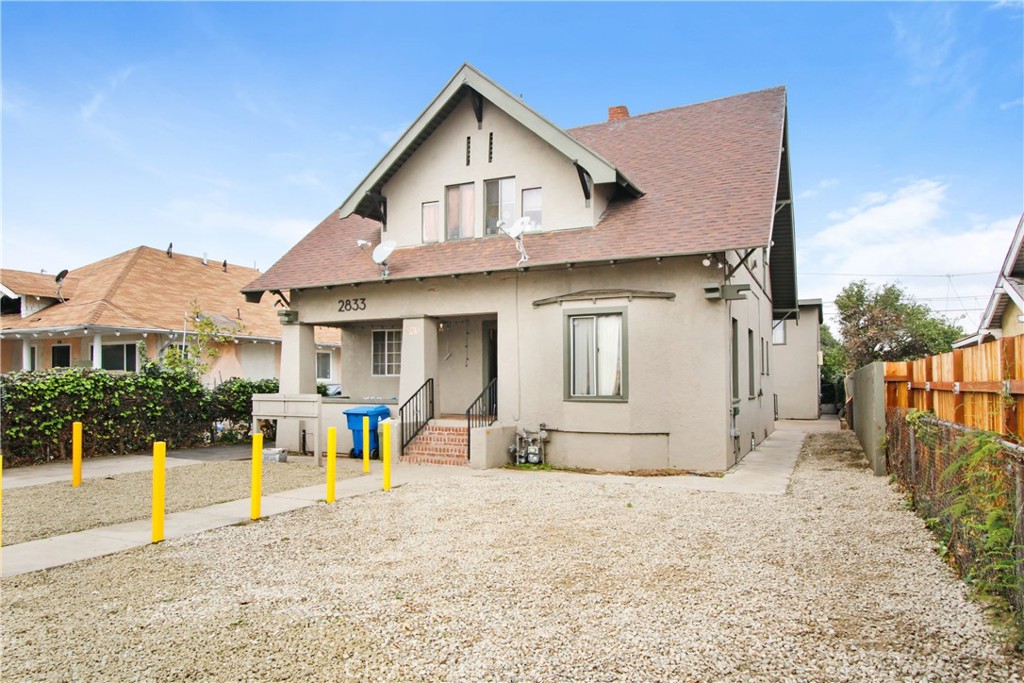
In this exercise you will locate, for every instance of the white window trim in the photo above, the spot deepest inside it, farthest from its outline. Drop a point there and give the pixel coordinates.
(373, 372)
(781, 324)
(330, 364)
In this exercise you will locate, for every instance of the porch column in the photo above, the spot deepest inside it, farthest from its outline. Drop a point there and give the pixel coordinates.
(419, 356)
(97, 351)
(26, 354)
(298, 376)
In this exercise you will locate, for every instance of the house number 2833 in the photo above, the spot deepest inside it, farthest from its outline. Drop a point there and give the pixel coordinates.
(346, 305)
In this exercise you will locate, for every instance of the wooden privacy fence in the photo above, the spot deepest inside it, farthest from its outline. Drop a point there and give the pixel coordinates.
(979, 387)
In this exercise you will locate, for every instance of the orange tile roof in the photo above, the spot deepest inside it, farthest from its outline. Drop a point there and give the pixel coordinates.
(709, 172)
(143, 289)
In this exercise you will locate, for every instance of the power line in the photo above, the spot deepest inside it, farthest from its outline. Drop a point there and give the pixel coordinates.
(943, 275)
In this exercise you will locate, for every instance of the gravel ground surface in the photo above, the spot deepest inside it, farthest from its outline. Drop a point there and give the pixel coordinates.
(36, 512)
(511, 576)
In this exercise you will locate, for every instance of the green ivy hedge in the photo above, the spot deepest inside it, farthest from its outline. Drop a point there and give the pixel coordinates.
(120, 412)
(232, 405)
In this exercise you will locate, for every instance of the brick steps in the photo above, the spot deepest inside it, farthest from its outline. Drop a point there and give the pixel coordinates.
(439, 445)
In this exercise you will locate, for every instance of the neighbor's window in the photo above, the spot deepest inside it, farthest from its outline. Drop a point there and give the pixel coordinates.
(500, 198)
(430, 222)
(531, 206)
(60, 356)
(323, 365)
(387, 353)
(779, 332)
(596, 356)
(460, 207)
(118, 357)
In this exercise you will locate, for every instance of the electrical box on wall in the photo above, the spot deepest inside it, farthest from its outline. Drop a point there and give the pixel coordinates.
(714, 291)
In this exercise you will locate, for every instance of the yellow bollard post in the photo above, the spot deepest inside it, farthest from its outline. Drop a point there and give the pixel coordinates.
(386, 454)
(257, 476)
(332, 451)
(159, 484)
(76, 454)
(366, 443)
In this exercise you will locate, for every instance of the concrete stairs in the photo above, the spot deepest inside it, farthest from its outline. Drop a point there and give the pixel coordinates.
(440, 442)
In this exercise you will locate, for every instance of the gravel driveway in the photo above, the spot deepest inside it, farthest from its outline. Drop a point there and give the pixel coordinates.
(510, 576)
(49, 510)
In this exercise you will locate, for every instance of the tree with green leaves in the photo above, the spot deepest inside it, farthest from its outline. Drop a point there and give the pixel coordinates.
(207, 336)
(886, 323)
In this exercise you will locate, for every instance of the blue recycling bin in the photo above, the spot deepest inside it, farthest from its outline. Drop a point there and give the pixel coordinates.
(355, 423)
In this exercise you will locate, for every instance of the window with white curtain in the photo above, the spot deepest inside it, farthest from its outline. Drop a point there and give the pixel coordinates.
(596, 356)
(323, 364)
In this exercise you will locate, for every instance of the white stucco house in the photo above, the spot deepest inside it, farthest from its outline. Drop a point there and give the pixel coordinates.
(633, 319)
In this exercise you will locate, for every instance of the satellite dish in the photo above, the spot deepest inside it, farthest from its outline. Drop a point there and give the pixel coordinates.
(515, 231)
(517, 228)
(382, 251)
(60, 276)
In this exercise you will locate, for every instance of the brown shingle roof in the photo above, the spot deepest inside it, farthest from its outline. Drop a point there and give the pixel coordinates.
(144, 289)
(32, 284)
(709, 172)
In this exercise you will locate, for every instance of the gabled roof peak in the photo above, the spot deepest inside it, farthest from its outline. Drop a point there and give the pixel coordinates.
(362, 201)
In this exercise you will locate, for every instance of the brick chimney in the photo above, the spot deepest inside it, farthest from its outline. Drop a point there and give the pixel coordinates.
(618, 113)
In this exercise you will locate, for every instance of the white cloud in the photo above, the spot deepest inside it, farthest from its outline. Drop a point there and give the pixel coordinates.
(89, 110)
(1012, 103)
(927, 37)
(901, 235)
(825, 184)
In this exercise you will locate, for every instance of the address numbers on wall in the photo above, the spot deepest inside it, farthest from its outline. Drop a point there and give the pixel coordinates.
(346, 305)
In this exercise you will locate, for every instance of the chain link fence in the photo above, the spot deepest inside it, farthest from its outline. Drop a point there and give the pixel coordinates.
(968, 485)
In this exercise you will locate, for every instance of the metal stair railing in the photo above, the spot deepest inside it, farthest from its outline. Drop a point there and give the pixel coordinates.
(483, 411)
(415, 413)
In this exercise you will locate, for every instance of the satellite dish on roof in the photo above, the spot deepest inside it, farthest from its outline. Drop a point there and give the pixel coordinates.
(515, 231)
(60, 282)
(380, 256)
(382, 251)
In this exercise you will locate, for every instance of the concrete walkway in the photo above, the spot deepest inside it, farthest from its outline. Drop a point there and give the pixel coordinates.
(766, 470)
(60, 550)
(110, 465)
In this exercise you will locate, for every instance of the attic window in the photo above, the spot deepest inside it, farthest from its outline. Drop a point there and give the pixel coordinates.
(10, 305)
(468, 140)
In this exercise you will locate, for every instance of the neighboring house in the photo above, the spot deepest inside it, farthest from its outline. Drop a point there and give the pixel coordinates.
(796, 342)
(102, 313)
(1004, 315)
(638, 331)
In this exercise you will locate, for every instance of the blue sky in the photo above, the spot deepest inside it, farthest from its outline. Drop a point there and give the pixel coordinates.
(234, 128)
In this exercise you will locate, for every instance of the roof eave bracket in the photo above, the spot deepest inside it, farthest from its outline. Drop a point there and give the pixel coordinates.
(586, 182)
(478, 108)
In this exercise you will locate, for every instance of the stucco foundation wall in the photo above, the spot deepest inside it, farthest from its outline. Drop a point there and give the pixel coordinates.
(677, 359)
(488, 446)
(612, 452)
(866, 387)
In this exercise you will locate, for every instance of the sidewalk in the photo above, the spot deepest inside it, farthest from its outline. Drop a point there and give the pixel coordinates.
(82, 545)
(766, 470)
